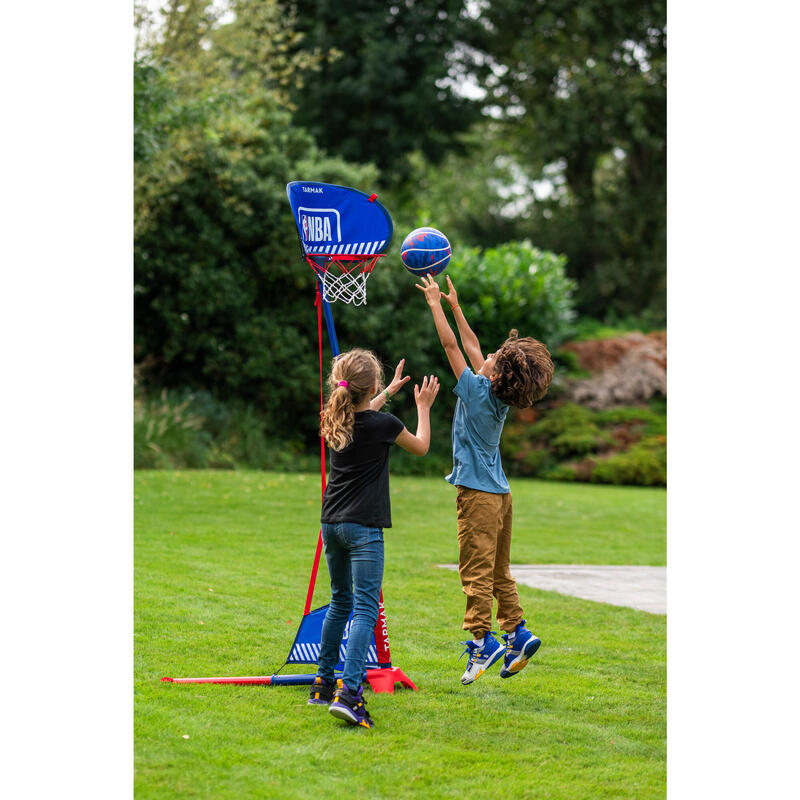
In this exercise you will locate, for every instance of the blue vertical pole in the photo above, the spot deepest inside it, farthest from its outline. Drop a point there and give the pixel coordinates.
(326, 310)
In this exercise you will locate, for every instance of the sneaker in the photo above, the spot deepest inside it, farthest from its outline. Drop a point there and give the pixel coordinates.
(321, 692)
(481, 657)
(519, 652)
(350, 707)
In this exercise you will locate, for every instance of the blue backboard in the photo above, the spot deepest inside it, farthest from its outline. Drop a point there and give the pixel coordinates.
(338, 220)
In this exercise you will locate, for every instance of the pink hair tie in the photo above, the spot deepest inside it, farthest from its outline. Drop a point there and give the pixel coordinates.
(343, 383)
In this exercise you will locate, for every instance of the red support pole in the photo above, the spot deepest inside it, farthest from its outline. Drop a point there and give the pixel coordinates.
(318, 553)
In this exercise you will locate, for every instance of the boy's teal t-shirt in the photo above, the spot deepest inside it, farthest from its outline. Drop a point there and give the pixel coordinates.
(477, 425)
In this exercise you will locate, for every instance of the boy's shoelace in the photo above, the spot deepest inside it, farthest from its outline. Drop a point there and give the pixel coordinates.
(466, 650)
(478, 652)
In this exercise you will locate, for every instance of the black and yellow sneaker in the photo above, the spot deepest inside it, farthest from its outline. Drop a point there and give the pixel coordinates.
(350, 707)
(322, 691)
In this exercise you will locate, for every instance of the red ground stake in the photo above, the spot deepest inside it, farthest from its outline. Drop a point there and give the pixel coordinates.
(264, 680)
(380, 680)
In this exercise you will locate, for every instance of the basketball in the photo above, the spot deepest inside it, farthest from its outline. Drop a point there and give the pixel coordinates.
(425, 251)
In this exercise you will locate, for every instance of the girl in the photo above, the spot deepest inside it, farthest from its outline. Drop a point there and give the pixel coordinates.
(355, 510)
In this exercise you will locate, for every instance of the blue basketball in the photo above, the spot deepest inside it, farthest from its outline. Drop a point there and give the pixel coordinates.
(425, 251)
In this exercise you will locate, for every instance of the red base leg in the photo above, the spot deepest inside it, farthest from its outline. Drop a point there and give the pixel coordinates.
(383, 680)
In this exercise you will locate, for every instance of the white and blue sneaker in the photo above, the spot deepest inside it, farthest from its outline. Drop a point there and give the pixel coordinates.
(519, 650)
(481, 657)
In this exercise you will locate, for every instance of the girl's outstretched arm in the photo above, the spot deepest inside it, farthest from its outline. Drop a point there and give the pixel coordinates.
(424, 397)
(377, 402)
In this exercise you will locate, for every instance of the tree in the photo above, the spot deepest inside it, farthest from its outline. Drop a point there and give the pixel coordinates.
(380, 90)
(221, 298)
(580, 89)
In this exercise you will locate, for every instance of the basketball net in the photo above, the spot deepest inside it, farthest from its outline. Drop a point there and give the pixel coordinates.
(344, 277)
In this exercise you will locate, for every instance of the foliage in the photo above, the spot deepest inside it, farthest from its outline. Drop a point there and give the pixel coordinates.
(625, 445)
(221, 300)
(152, 95)
(379, 91)
(580, 91)
(469, 194)
(179, 430)
(514, 285)
(566, 362)
(645, 464)
(653, 419)
(166, 434)
(588, 328)
(200, 80)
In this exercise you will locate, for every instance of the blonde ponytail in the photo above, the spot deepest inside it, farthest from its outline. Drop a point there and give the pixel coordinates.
(352, 379)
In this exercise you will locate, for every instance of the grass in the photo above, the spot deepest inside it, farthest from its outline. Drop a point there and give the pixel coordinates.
(222, 561)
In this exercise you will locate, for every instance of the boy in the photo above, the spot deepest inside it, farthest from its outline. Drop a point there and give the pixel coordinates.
(518, 374)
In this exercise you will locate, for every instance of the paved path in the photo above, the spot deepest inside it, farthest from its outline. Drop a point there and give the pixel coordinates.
(643, 588)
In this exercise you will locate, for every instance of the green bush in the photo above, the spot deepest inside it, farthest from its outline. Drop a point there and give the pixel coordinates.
(577, 443)
(653, 420)
(515, 285)
(536, 461)
(587, 329)
(566, 362)
(167, 434)
(644, 464)
(184, 430)
(567, 441)
(567, 419)
(561, 472)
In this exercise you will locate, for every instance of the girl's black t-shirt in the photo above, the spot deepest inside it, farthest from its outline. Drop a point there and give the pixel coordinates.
(358, 483)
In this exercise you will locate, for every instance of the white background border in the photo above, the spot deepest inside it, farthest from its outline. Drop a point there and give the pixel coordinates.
(66, 401)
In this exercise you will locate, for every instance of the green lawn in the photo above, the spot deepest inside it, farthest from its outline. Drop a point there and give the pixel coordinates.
(222, 561)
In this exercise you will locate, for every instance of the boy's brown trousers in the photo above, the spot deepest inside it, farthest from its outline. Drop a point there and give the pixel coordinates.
(484, 550)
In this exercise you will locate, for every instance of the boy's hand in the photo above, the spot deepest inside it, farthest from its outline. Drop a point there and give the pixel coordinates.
(425, 396)
(451, 297)
(398, 380)
(431, 290)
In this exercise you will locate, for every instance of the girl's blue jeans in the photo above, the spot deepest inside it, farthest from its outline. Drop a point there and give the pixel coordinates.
(355, 561)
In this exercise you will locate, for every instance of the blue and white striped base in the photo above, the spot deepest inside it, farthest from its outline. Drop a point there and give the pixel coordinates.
(308, 653)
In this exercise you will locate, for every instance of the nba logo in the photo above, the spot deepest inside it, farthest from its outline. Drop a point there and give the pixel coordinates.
(320, 224)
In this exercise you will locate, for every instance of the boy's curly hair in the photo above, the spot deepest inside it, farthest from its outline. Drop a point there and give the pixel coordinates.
(523, 371)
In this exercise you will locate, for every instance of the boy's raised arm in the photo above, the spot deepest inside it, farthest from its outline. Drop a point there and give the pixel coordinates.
(469, 341)
(446, 336)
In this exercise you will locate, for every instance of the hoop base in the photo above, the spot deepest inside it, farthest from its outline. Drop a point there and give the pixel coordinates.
(380, 680)
(383, 680)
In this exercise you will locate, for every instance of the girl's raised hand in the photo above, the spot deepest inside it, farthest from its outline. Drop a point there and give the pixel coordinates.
(425, 396)
(430, 288)
(398, 380)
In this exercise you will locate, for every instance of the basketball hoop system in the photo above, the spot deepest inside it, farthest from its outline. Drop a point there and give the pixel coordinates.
(343, 233)
(343, 277)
